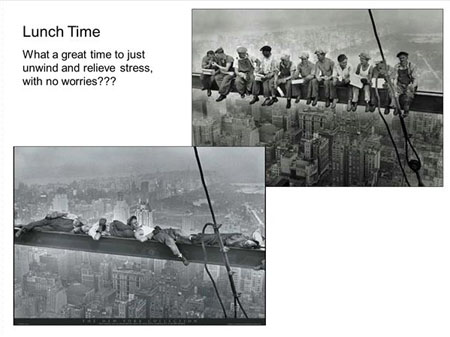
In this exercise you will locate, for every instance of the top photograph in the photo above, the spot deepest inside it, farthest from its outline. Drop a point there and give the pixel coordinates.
(337, 97)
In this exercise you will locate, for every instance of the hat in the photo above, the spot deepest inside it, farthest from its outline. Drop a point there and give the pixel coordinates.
(266, 48)
(364, 56)
(210, 52)
(285, 57)
(402, 53)
(304, 56)
(320, 51)
(144, 233)
(241, 50)
(219, 50)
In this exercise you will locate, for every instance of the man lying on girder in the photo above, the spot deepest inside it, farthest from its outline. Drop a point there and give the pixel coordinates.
(170, 237)
(237, 240)
(57, 222)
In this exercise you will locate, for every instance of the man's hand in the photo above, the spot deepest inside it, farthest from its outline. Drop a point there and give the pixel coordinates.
(242, 75)
(215, 64)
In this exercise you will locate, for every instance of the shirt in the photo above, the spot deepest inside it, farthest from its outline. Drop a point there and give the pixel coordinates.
(412, 71)
(268, 66)
(304, 70)
(286, 70)
(207, 62)
(324, 68)
(342, 74)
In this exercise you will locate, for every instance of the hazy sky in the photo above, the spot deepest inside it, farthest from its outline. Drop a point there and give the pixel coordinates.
(62, 164)
(208, 22)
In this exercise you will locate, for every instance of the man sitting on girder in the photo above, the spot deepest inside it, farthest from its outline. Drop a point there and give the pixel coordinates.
(405, 81)
(57, 222)
(166, 236)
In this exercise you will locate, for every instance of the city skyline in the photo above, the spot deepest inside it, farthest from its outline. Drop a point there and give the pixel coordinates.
(64, 164)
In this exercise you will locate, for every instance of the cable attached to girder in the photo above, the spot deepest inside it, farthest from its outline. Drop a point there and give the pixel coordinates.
(219, 238)
(390, 134)
(414, 164)
(205, 255)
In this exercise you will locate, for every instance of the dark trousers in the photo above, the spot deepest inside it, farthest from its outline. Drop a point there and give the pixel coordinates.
(224, 82)
(268, 87)
(244, 85)
(118, 228)
(287, 87)
(337, 83)
(207, 81)
(327, 86)
(51, 225)
(167, 240)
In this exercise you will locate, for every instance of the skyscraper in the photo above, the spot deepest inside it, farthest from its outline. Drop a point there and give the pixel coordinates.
(121, 209)
(60, 203)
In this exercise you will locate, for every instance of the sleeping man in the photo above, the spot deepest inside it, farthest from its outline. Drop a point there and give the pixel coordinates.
(56, 222)
(170, 237)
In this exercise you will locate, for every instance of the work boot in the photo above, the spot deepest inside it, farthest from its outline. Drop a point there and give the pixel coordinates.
(387, 110)
(327, 102)
(209, 92)
(308, 101)
(395, 111)
(266, 101)
(288, 103)
(354, 106)
(314, 103)
(242, 95)
(221, 98)
(372, 107)
(333, 105)
(272, 100)
(254, 100)
(297, 99)
(367, 107)
(20, 232)
(406, 109)
(184, 260)
(349, 106)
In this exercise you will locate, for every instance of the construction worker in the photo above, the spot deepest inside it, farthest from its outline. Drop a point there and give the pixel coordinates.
(207, 63)
(406, 81)
(364, 71)
(306, 71)
(341, 78)
(380, 72)
(119, 229)
(56, 222)
(323, 74)
(225, 75)
(244, 72)
(265, 74)
(286, 71)
(238, 240)
(166, 236)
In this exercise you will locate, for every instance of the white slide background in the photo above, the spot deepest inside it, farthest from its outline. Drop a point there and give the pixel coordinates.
(341, 262)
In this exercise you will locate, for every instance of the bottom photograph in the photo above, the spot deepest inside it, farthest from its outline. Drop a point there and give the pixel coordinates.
(139, 235)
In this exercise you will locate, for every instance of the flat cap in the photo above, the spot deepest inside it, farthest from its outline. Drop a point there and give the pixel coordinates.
(364, 56)
(402, 53)
(241, 50)
(219, 50)
(304, 56)
(320, 51)
(266, 48)
(286, 57)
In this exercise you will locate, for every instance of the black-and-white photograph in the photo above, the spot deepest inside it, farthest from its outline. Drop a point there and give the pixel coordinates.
(139, 235)
(338, 97)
